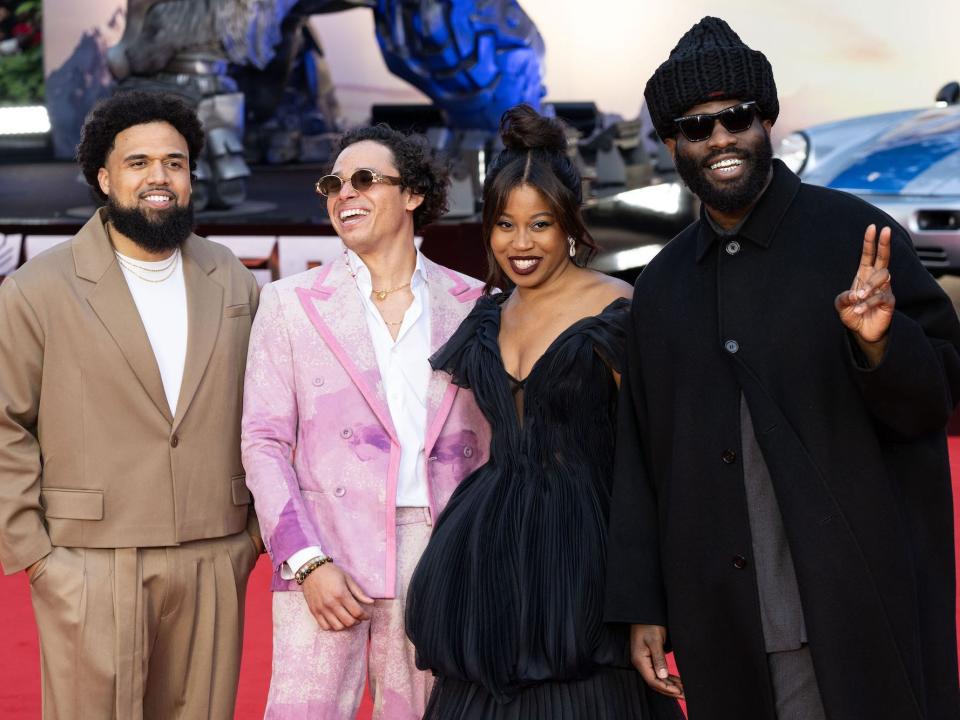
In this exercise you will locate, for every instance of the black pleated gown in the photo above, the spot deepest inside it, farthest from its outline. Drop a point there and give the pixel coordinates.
(506, 604)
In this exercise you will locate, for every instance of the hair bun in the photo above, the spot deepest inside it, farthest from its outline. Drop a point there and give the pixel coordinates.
(522, 128)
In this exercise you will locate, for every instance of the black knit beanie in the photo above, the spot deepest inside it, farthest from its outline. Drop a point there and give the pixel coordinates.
(709, 63)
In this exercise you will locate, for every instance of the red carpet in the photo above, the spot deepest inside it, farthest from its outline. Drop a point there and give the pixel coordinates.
(19, 660)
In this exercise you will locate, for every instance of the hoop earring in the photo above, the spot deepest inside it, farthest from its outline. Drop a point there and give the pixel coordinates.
(573, 245)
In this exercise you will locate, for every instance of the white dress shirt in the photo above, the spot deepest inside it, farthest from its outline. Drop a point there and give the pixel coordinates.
(161, 298)
(404, 366)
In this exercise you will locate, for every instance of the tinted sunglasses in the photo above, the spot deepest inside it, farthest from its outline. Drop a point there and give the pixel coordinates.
(736, 119)
(361, 180)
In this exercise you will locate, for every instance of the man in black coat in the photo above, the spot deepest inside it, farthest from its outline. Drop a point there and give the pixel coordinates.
(782, 498)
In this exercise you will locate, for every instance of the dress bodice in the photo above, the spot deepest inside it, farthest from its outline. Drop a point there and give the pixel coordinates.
(569, 395)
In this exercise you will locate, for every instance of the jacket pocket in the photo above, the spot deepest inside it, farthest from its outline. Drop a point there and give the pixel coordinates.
(238, 488)
(236, 310)
(72, 504)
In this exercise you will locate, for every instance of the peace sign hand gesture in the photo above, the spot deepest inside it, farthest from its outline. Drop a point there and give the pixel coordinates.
(866, 309)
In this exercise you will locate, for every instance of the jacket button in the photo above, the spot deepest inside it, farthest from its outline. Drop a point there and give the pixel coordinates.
(468, 452)
(346, 433)
(339, 491)
(729, 457)
(739, 562)
(174, 441)
(432, 458)
(731, 346)
(317, 381)
(733, 247)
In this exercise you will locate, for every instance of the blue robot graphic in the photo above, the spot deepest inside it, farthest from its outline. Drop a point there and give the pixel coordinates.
(473, 58)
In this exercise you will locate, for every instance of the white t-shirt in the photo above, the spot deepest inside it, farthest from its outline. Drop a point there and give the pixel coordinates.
(160, 295)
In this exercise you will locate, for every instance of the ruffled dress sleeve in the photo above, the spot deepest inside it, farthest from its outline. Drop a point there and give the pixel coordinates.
(467, 350)
(608, 333)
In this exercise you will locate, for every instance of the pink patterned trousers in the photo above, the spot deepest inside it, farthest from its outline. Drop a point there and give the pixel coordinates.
(320, 675)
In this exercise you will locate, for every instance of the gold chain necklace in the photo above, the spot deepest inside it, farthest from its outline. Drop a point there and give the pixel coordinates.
(380, 294)
(170, 268)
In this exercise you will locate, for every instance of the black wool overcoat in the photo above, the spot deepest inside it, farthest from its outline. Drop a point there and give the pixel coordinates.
(857, 457)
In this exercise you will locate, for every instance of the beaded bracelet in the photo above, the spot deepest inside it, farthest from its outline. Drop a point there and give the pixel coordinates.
(309, 567)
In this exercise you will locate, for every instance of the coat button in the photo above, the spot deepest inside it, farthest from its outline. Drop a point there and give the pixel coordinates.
(468, 452)
(339, 491)
(317, 381)
(739, 562)
(346, 433)
(729, 457)
(731, 346)
(432, 458)
(733, 247)
(174, 441)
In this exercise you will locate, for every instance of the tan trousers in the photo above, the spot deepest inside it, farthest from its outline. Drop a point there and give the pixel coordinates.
(142, 633)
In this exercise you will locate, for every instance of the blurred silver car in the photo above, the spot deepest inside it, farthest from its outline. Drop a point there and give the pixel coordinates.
(906, 163)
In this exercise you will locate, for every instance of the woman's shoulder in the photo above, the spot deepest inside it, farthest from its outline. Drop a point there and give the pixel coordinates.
(607, 301)
(601, 294)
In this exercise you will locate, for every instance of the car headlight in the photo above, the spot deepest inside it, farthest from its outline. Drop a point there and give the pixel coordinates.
(793, 150)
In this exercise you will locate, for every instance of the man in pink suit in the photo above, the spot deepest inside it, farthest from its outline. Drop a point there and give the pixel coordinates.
(351, 443)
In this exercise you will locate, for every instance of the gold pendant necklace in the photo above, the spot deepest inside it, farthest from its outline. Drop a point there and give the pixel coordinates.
(382, 294)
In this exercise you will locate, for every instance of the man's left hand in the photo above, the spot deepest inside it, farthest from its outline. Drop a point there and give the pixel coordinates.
(866, 309)
(647, 656)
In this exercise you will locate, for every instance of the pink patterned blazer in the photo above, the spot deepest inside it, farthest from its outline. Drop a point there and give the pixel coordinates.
(319, 447)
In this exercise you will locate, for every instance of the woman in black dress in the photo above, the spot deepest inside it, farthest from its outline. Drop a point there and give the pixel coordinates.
(506, 604)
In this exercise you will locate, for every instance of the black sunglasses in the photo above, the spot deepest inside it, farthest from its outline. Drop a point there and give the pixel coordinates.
(361, 180)
(735, 119)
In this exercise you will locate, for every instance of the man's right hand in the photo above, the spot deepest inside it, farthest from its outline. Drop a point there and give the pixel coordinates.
(334, 598)
(646, 653)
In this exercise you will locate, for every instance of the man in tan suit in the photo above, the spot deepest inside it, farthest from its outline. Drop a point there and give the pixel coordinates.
(122, 493)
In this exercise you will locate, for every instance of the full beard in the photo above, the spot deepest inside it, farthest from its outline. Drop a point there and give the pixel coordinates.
(166, 230)
(730, 197)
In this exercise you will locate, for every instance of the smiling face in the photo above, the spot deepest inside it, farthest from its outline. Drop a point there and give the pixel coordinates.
(380, 214)
(727, 171)
(146, 178)
(148, 169)
(527, 241)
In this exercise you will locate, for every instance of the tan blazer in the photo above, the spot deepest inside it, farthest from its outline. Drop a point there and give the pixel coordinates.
(89, 454)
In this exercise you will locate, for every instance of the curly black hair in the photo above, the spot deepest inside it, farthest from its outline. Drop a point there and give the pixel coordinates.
(112, 116)
(422, 170)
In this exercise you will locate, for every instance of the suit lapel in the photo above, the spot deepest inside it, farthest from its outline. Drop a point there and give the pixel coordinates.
(450, 301)
(335, 309)
(204, 315)
(441, 327)
(112, 302)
